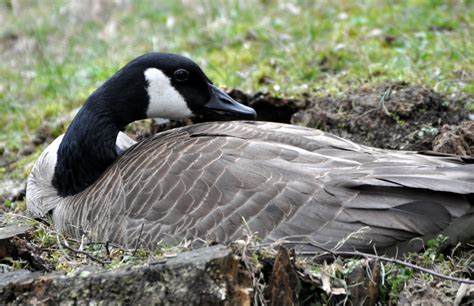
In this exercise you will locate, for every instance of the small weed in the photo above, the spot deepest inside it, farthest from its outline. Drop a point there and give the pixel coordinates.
(395, 280)
(8, 204)
(44, 237)
(434, 247)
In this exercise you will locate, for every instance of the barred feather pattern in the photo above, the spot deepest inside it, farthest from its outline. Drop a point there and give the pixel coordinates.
(216, 181)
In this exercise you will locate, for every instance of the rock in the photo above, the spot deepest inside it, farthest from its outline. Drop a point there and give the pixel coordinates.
(13, 230)
(7, 233)
(207, 276)
(15, 276)
(14, 244)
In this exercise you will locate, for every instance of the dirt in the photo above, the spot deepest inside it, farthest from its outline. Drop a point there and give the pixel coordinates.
(393, 115)
(389, 116)
(417, 292)
(456, 139)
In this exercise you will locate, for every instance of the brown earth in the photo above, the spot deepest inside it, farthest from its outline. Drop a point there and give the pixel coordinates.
(392, 115)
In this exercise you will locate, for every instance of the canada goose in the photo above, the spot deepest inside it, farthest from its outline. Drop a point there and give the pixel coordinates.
(213, 181)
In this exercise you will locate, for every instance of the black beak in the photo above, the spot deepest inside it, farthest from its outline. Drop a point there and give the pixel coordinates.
(222, 104)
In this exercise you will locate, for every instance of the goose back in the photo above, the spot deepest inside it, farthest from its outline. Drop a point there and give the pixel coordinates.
(215, 181)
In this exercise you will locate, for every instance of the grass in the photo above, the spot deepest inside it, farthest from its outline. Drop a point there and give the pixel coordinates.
(52, 56)
(55, 55)
(320, 282)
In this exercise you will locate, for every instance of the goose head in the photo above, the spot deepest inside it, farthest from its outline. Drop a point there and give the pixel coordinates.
(154, 85)
(168, 86)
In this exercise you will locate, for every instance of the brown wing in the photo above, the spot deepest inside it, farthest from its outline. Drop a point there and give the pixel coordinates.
(211, 181)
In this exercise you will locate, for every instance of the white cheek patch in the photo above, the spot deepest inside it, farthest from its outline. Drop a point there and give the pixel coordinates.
(165, 100)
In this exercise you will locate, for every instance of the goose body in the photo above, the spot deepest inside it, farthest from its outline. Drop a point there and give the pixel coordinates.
(216, 181)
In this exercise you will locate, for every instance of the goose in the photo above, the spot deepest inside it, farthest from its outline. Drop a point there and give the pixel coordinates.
(217, 181)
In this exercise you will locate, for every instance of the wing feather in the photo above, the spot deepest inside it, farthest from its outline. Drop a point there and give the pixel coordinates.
(214, 180)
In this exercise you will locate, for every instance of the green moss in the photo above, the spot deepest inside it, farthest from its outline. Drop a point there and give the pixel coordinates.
(395, 281)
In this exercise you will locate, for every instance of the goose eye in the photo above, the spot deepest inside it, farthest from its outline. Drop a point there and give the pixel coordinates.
(181, 75)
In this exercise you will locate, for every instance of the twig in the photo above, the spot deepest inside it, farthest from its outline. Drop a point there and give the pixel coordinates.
(114, 245)
(377, 257)
(62, 250)
(101, 261)
(407, 264)
(385, 96)
(284, 241)
(83, 234)
(107, 248)
(81, 246)
(341, 243)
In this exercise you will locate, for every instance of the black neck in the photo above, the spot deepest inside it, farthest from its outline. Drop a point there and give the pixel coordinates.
(87, 149)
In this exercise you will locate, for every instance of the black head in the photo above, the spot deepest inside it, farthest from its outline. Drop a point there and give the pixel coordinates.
(166, 86)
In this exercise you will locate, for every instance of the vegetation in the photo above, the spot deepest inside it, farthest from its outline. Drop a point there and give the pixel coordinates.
(54, 54)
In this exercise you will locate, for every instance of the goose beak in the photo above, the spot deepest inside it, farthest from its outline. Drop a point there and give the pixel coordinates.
(222, 104)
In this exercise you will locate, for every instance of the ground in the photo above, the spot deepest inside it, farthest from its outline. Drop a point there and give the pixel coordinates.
(395, 75)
